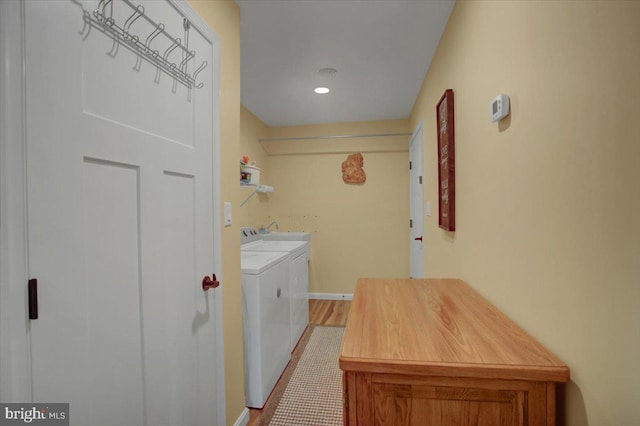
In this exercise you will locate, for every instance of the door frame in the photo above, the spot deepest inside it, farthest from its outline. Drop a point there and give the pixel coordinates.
(15, 362)
(15, 350)
(417, 162)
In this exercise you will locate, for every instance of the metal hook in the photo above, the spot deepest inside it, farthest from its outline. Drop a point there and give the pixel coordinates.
(100, 14)
(156, 32)
(115, 47)
(137, 13)
(97, 13)
(190, 56)
(171, 48)
(173, 70)
(86, 18)
(135, 40)
(198, 71)
(138, 64)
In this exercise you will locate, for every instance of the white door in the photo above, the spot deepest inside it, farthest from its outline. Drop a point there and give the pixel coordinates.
(416, 232)
(120, 221)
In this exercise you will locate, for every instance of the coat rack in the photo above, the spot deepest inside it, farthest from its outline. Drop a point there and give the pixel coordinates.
(103, 18)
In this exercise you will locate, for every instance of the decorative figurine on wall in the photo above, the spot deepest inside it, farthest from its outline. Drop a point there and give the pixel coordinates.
(352, 169)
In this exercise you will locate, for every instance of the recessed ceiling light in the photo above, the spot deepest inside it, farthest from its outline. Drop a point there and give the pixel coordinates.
(321, 90)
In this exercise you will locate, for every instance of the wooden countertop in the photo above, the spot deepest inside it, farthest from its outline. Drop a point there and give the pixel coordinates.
(439, 327)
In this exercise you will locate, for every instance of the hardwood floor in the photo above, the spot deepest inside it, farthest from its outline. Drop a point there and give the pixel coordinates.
(329, 312)
(321, 312)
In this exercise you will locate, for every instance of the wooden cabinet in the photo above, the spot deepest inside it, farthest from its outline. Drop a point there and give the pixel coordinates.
(434, 352)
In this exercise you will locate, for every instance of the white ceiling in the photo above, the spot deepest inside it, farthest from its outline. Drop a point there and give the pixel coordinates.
(381, 49)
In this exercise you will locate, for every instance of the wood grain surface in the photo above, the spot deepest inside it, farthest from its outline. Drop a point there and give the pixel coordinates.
(329, 312)
(439, 327)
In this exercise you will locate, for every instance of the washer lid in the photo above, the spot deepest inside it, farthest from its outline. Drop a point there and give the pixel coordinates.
(253, 262)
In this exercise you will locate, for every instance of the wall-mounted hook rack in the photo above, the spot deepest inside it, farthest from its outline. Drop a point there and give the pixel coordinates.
(103, 18)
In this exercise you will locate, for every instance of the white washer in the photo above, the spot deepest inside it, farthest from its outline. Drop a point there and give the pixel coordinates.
(298, 252)
(265, 321)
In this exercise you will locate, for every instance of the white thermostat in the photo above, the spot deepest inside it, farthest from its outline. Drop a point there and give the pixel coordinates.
(499, 108)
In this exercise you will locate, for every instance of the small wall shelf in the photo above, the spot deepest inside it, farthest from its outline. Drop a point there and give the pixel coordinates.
(258, 188)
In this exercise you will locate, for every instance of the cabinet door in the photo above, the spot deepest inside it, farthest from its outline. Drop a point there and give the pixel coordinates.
(394, 400)
(434, 405)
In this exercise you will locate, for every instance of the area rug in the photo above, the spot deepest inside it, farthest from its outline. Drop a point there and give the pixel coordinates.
(309, 392)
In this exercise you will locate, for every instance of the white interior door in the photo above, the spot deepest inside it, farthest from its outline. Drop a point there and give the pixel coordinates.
(416, 232)
(120, 220)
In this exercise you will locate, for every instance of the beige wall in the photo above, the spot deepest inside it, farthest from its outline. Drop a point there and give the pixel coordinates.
(357, 230)
(224, 18)
(548, 201)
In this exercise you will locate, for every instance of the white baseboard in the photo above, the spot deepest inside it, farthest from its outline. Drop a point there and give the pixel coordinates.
(330, 296)
(243, 420)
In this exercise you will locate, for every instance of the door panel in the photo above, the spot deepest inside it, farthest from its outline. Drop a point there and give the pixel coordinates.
(112, 289)
(120, 208)
(179, 253)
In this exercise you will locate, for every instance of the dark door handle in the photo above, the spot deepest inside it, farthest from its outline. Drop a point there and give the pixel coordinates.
(33, 299)
(418, 238)
(208, 282)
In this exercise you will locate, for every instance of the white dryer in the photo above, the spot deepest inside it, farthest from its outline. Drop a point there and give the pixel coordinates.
(266, 322)
(298, 252)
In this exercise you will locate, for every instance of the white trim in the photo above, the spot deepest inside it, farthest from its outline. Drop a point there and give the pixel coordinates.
(217, 241)
(207, 32)
(15, 364)
(330, 296)
(243, 420)
(185, 10)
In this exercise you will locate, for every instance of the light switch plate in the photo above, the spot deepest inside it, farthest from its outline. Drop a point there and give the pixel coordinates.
(227, 214)
(428, 208)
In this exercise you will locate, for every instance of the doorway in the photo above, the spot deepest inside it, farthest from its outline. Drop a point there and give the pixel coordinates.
(416, 220)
